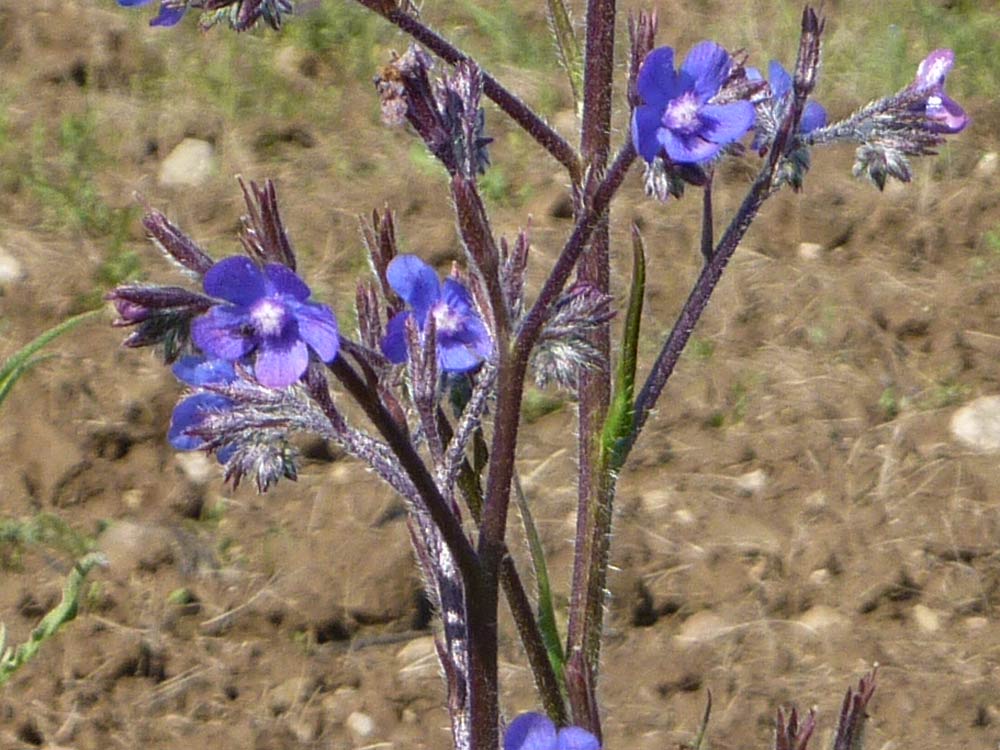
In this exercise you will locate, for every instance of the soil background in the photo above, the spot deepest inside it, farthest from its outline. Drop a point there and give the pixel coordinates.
(796, 511)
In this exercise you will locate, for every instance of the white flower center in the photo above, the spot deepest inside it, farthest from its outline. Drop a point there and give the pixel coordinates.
(268, 317)
(682, 113)
(446, 320)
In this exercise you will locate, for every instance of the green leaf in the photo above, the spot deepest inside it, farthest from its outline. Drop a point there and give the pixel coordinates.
(24, 359)
(546, 610)
(567, 47)
(618, 425)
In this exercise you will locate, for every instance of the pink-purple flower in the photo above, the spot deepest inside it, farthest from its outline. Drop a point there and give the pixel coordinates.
(677, 115)
(462, 341)
(267, 318)
(533, 731)
(943, 114)
(190, 413)
(171, 11)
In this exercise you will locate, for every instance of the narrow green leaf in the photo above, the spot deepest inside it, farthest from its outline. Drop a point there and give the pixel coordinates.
(619, 421)
(699, 738)
(23, 360)
(14, 658)
(567, 47)
(546, 610)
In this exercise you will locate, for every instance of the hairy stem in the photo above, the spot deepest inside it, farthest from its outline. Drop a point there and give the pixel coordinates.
(585, 225)
(437, 505)
(517, 110)
(593, 503)
(517, 599)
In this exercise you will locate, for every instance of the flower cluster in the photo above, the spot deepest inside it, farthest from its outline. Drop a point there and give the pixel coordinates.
(190, 413)
(776, 106)
(239, 14)
(267, 317)
(462, 341)
(677, 115)
(942, 113)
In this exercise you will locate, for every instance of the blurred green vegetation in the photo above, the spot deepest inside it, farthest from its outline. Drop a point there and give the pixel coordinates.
(317, 72)
(873, 49)
(59, 173)
(42, 530)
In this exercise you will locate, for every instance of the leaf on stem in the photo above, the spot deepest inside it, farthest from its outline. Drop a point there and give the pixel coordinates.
(567, 47)
(11, 658)
(546, 609)
(619, 422)
(24, 359)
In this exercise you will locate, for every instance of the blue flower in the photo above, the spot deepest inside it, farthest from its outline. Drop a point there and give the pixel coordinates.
(268, 317)
(533, 731)
(171, 11)
(944, 114)
(462, 340)
(813, 116)
(676, 115)
(191, 412)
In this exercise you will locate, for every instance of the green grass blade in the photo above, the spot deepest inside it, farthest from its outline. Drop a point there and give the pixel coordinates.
(13, 659)
(567, 47)
(619, 421)
(546, 609)
(24, 359)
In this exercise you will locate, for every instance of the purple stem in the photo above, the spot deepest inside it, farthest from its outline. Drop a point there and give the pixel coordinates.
(593, 501)
(514, 362)
(585, 225)
(517, 110)
(438, 507)
(480, 582)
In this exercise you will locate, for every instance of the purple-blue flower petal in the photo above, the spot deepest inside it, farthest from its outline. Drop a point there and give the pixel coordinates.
(575, 738)
(285, 281)
(225, 453)
(201, 371)
(531, 731)
(934, 68)
(394, 341)
(645, 123)
(780, 80)
(944, 114)
(221, 332)
(687, 149)
(236, 279)
(707, 65)
(189, 413)
(455, 356)
(465, 348)
(416, 282)
(813, 117)
(131, 3)
(281, 362)
(657, 82)
(168, 16)
(318, 328)
(456, 296)
(725, 123)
